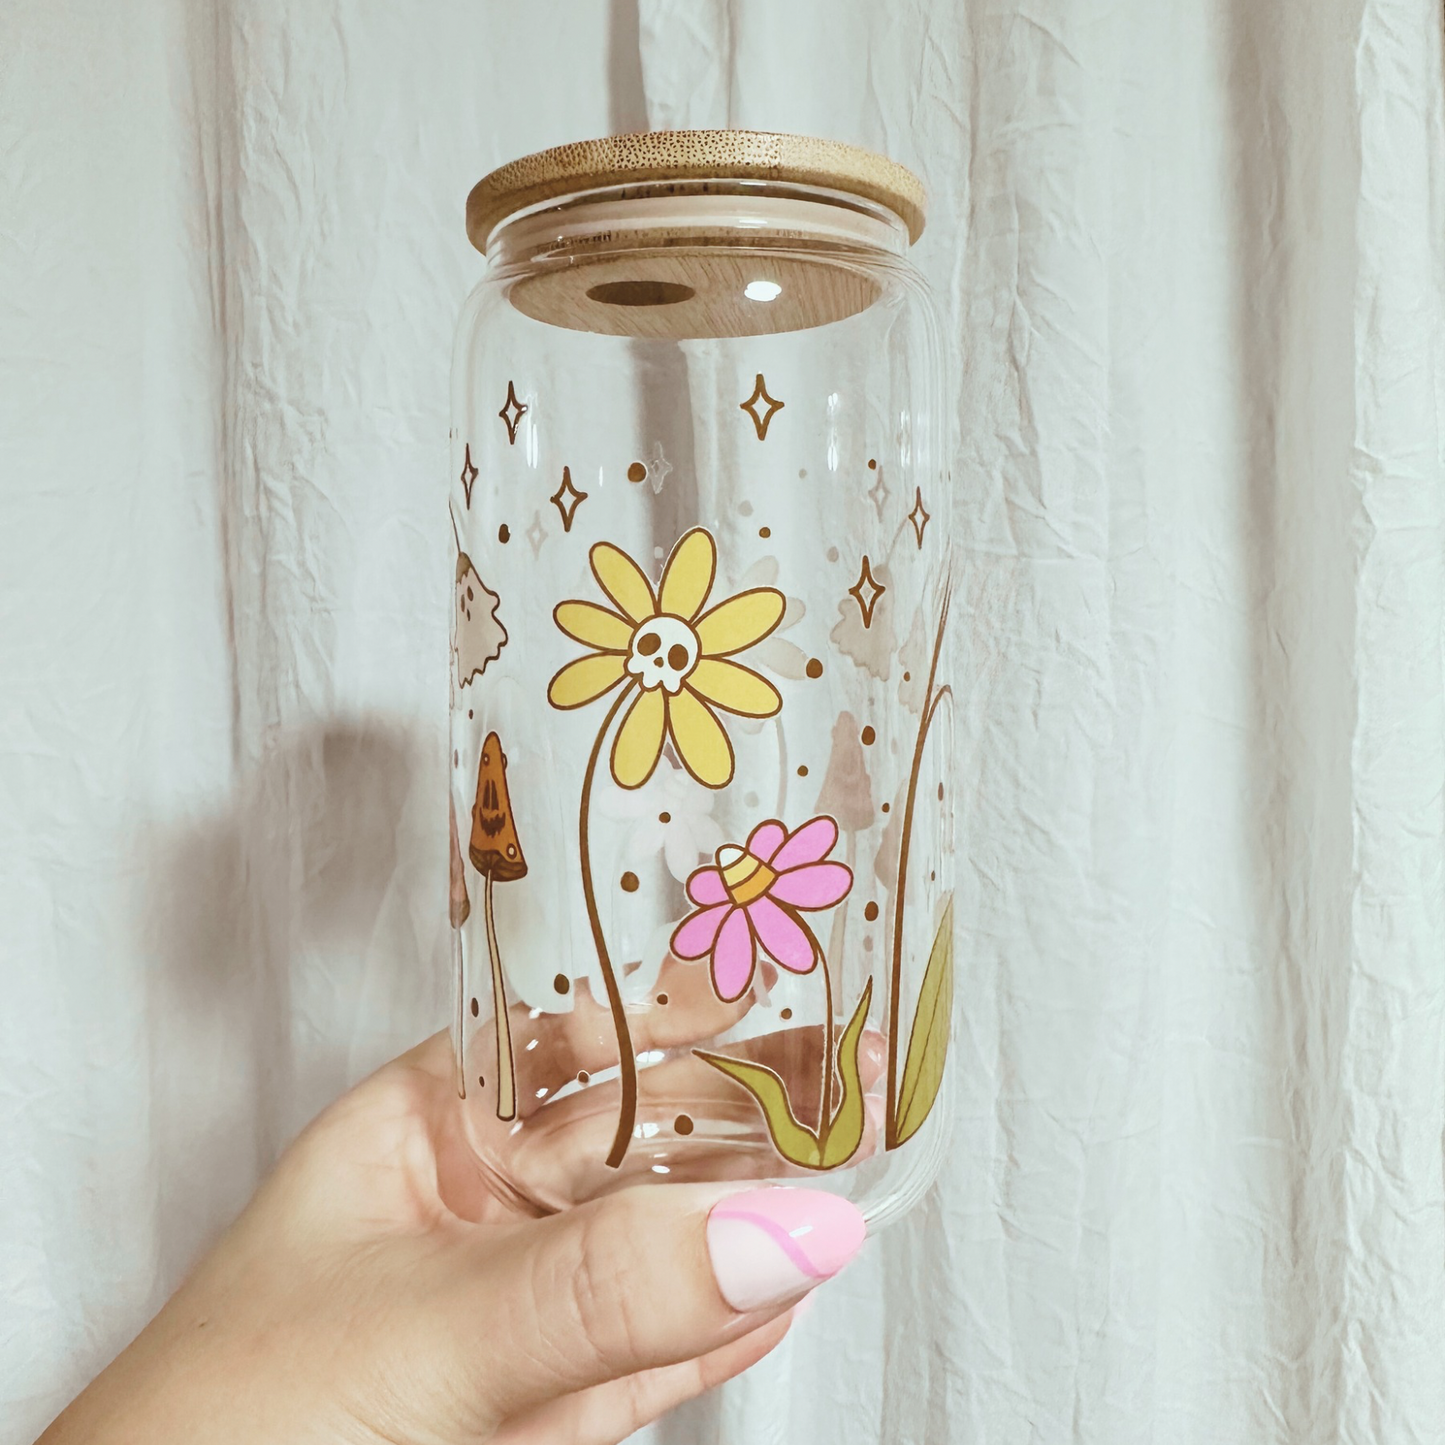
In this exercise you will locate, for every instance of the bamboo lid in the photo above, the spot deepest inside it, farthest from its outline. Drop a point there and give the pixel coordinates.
(680, 155)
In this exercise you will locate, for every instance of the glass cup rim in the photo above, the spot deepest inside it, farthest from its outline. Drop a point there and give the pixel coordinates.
(702, 212)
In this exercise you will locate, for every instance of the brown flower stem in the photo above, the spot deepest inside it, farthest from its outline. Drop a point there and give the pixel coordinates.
(825, 1108)
(626, 1060)
(506, 1067)
(835, 947)
(895, 988)
(825, 1094)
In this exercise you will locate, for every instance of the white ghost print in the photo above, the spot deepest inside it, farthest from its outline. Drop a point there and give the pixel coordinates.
(480, 636)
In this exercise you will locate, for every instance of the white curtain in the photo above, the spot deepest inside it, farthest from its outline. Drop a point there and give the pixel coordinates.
(1192, 256)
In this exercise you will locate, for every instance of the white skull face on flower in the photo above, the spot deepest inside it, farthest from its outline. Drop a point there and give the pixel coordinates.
(663, 653)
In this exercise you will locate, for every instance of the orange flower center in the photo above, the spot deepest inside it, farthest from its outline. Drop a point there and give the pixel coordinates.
(745, 875)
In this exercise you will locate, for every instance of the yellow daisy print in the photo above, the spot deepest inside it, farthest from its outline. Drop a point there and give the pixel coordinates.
(675, 653)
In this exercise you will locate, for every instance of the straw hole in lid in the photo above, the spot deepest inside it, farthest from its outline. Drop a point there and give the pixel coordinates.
(641, 293)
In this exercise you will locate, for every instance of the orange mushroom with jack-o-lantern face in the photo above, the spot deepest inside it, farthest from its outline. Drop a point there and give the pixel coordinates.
(497, 855)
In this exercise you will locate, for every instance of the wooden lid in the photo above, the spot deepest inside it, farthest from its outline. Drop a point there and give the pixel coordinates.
(681, 155)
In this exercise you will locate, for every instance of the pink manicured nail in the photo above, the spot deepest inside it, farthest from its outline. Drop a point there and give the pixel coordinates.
(770, 1245)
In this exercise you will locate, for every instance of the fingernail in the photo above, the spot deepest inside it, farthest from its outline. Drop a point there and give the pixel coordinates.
(771, 1245)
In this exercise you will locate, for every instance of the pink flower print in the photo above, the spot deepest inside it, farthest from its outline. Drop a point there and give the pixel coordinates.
(755, 895)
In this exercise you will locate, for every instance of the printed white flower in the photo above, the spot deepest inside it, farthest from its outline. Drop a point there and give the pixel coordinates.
(785, 658)
(670, 814)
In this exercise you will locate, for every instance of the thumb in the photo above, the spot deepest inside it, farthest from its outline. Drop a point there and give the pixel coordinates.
(653, 1276)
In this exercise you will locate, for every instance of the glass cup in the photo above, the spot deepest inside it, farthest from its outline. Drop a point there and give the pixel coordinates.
(702, 818)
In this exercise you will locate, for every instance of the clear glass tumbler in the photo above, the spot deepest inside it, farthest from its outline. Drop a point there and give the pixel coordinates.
(702, 819)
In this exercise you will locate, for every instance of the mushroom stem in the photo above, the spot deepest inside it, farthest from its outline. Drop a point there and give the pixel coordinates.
(506, 1069)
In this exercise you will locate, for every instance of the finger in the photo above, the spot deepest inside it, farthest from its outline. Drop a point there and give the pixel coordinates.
(748, 1156)
(684, 1007)
(427, 1075)
(607, 1414)
(686, 1106)
(650, 1277)
(686, 1082)
(572, 1049)
(796, 1055)
(693, 1123)
(561, 1152)
(683, 1011)
(552, 1051)
(433, 1057)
